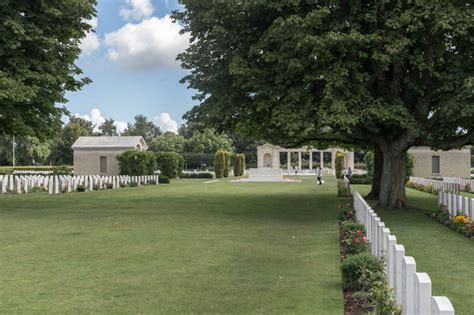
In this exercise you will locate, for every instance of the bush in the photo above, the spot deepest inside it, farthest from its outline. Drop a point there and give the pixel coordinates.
(109, 186)
(206, 175)
(133, 184)
(219, 163)
(226, 163)
(239, 165)
(163, 179)
(81, 188)
(355, 266)
(169, 163)
(137, 163)
(349, 228)
(360, 180)
(95, 187)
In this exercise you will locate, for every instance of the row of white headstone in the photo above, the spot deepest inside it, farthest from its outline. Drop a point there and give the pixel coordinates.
(437, 184)
(412, 289)
(464, 182)
(456, 204)
(59, 184)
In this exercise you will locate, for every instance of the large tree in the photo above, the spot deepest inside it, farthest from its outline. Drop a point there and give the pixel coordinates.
(61, 152)
(38, 49)
(142, 127)
(168, 142)
(108, 128)
(389, 75)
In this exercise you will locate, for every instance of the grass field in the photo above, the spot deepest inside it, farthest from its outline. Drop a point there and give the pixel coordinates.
(448, 257)
(180, 248)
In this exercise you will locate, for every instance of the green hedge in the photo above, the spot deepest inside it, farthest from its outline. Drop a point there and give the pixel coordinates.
(339, 164)
(239, 165)
(206, 175)
(137, 163)
(63, 169)
(169, 164)
(360, 180)
(219, 163)
(355, 266)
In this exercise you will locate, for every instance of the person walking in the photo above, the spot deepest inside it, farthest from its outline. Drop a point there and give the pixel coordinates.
(319, 175)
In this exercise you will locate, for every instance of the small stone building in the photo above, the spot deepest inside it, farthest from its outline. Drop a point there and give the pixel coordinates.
(98, 155)
(430, 163)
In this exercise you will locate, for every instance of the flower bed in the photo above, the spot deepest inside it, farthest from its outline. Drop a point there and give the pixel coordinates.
(461, 223)
(364, 282)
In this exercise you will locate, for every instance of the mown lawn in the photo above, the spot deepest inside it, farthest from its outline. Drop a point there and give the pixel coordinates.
(447, 256)
(187, 247)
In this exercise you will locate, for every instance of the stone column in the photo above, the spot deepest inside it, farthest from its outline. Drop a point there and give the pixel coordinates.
(310, 160)
(288, 161)
(299, 160)
(321, 159)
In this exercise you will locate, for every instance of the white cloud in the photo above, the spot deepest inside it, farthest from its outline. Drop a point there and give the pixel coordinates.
(120, 125)
(165, 122)
(91, 42)
(136, 10)
(152, 43)
(95, 116)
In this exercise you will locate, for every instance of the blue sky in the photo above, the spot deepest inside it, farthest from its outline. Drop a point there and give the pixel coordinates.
(130, 59)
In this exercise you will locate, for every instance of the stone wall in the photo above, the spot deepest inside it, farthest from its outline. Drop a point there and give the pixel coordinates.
(454, 163)
(87, 162)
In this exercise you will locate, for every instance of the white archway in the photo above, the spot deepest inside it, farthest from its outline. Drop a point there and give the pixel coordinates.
(267, 160)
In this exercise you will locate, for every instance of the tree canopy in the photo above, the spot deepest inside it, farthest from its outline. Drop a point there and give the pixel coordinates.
(38, 50)
(142, 127)
(387, 74)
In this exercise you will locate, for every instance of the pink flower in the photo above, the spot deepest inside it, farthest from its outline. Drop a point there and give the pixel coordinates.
(364, 238)
(356, 240)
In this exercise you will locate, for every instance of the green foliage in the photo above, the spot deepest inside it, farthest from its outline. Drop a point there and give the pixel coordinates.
(410, 164)
(167, 142)
(207, 175)
(354, 267)
(163, 179)
(226, 163)
(57, 170)
(350, 228)
(61, 152)
(360, 180)
(81, 188)
(136, 163)
(208, 141)
(38, 50)
(169, 164)
(239, 164)
(220, 163)
(369, 162)
(339, 165)
(143, 127)
(108, 128)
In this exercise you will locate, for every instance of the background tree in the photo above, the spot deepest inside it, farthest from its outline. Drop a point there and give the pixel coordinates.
(142, 127)
(390, 75)
(38, 50)
(167, 142)
(61, 152)
(108, 128)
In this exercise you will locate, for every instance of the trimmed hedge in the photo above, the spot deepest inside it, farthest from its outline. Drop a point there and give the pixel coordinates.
(219, 163)
(360, 180)
(239, 165)
(57, 170)
(339, 164)
(169, 163)
(162, 179)
(206, 175)
(137, 163)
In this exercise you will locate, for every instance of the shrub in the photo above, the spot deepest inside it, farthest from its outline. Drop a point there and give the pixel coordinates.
(219, 163)
(353, 268)
(36, 189)
(137, 163)
(356, 243)
(133, 184)
(163, 179)
(109, 185)
(169, 164)
(197, 175)
(62, 170)
(349, 228)
(360, 180)
(95, 187)
(81, 188)
(339, 164)
(239, 165)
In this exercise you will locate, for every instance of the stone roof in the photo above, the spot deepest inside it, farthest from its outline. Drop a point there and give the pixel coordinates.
(124, 142)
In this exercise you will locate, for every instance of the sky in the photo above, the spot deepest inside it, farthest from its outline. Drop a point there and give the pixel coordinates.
(130, 58)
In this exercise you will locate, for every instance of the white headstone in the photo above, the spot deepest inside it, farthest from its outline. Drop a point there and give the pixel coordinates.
(408, 285)
(441, 305)
(422, 293)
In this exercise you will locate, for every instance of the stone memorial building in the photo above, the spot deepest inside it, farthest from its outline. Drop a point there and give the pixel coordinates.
(452, 163)
(98, 155)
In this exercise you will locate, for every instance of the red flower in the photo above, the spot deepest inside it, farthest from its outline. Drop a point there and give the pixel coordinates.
(364, 238)
(356, 240)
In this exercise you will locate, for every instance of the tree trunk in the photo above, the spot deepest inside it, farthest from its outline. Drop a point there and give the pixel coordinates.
(392, 184)
(374, 193)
